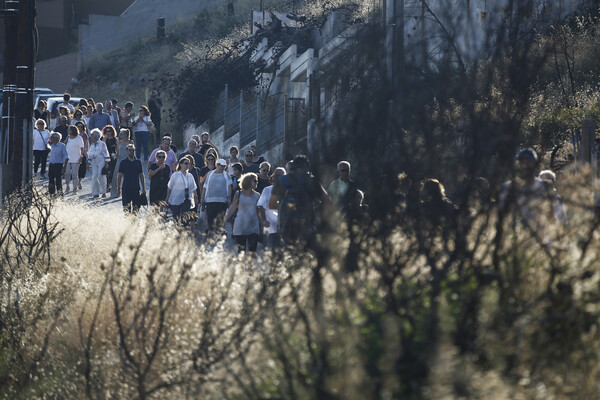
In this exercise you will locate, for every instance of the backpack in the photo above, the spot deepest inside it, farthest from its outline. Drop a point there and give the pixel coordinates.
(296, 215)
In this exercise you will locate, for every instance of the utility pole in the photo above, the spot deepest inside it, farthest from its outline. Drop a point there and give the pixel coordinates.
(19, 81)
(394, 45)
(394, 20)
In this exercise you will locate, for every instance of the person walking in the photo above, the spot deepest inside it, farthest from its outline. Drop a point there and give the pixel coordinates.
(216, 194)
(165, 145)
(159, 173)
(142, 127)
(192, 150)
(341, 190)
(246, 227)
(294, 195)
(129, 180)
(267, 216)
(41, 148)
(112, 113)
(248, 165)
(233, 158)
(181, 192)
(126, 117)
(41, 112)
(81, 127)
(98, 159)
(99, 119)
(58, 161)
(263, 176)
(122, 143)
(109, 137)
(75, 151)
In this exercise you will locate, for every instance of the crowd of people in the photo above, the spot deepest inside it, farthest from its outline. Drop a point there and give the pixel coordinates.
(198, 187)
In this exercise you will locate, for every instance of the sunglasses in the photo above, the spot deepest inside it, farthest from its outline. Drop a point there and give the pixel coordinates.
(210, 159)
(160, 156)
(248, 155)
(185, 163)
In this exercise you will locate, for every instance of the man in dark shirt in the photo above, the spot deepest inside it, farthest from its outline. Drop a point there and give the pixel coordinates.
(248, 165)
(192, 151)
(206, 144)
(131, 175)
(296, 217)
(62, 128)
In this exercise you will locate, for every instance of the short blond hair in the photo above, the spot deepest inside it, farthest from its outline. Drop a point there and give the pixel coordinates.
(41, 121)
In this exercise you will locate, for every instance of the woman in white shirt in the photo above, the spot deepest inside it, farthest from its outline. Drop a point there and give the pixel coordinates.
(98, 158)
(216, 194)
(76, 151)
(142, 126)
(41, 135)
(181, 192)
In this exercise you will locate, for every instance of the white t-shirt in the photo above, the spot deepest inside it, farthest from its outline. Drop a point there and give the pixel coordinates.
(40, 139)
(270, 215)
(74, 147)
(68, 105)
(139, 126)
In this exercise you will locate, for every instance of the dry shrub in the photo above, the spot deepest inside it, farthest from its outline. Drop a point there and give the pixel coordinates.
(133, 308)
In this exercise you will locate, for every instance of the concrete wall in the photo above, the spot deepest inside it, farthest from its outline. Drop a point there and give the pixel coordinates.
(56, 73)
(107, 33)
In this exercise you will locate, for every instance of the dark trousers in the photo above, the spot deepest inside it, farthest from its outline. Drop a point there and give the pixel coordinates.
(141, 144)
(40, 157)
(131, 200)
(110, 172)
(82, 168)
(251, 240)
(274, 240)
(182, 214)
(215, 212)
(55, 178)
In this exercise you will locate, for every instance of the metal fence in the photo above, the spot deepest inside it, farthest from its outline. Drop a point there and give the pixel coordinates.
(269, 122)
(271, 128)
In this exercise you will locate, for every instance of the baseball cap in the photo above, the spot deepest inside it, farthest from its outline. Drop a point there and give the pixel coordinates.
(220, 161)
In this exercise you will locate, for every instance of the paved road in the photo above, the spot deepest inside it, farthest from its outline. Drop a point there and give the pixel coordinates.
(114, 203)
(85, 194)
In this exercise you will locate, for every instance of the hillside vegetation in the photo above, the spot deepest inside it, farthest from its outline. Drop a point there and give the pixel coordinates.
(485, 302)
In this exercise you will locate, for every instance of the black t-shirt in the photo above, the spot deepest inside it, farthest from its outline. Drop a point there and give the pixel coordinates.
(309, 183)
(204, 148)
(204, 171)
(158, 184)
(154, 110)
(262, 183)
(62, 129)
(131, 171)
(111, 145)
(198, 159)
(251, 168)
(38, 115)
